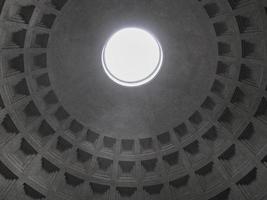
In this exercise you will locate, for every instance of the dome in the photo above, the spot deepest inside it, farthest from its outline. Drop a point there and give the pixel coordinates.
(192, 125)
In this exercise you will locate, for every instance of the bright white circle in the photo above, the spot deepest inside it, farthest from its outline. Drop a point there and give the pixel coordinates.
(132, 57)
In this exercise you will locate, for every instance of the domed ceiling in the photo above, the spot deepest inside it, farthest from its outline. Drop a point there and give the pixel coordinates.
(198, 131)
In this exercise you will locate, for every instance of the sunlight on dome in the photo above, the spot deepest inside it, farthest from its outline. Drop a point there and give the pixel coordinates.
(132, 57)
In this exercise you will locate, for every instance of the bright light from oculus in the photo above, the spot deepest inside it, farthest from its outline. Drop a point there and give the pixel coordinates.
(132, 57)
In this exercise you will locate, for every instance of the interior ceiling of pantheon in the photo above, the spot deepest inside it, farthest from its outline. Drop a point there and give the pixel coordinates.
(198, 131)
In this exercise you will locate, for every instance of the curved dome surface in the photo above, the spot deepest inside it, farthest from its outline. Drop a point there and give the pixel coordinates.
(176, 92)
(197, 131)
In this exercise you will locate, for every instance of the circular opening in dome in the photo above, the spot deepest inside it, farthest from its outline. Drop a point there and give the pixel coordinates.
(132, 57)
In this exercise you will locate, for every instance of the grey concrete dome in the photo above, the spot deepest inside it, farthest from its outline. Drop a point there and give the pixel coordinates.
(198, 131)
